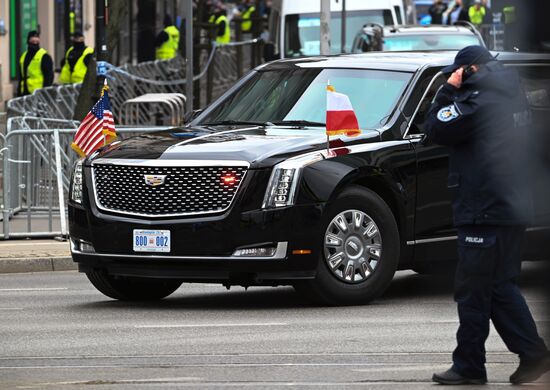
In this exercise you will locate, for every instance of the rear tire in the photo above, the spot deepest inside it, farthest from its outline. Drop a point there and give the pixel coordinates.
(360, 250)
(132, 288)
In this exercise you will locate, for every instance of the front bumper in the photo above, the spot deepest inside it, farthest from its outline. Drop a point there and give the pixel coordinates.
(202, 249)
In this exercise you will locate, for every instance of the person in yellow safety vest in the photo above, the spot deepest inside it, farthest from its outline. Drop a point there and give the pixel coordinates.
(35, 66)
(168, 40)
(246, 15)
(477, 13)
(223, 35)
(75, 64)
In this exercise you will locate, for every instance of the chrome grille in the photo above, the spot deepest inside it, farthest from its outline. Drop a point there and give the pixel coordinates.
(187, 190)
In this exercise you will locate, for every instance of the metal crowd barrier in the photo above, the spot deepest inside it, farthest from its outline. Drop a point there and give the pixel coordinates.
(36, 167)
(219, 69)
(173, 103)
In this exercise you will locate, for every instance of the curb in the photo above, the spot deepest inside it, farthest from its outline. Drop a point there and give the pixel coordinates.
(37, 264)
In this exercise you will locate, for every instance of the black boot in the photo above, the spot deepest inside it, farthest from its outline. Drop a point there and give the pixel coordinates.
(451, 377)
(530, 371)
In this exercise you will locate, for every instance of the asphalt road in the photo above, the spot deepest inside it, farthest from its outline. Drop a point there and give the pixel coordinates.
(57, 332)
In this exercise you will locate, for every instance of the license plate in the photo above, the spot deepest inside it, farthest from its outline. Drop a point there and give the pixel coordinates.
(151, 240)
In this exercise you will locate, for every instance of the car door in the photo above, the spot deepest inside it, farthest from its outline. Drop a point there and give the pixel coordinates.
(536, 83)
(435, 236)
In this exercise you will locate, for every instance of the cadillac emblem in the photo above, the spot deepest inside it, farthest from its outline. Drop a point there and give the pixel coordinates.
(154, 180)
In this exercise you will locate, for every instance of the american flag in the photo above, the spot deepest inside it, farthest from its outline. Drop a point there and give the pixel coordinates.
(97, 128)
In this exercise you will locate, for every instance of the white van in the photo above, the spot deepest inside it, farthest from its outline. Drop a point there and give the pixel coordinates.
(294, 25)
(400, 11)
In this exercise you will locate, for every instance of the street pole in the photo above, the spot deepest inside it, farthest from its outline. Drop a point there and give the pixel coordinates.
(343, 34)
(189, 54)
(102, 55)
(325, 27)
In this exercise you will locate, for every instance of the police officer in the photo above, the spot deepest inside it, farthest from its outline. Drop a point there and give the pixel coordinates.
(75, 64)
(482, 115)
(223, 33)
(477, 13)
(246, 14)
(168, 40)
(35, 66)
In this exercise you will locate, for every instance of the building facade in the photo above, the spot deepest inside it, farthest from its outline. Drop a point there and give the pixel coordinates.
(132, 21)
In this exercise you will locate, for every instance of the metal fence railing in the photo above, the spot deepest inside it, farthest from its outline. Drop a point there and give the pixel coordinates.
(36, 158)
(50, 102)
(220, 67)
(36, 165)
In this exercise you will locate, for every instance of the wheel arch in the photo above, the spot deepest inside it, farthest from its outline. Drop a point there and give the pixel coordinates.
(325, 180)
(378, 184)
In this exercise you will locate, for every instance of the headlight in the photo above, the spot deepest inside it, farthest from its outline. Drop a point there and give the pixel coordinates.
(284, 180)
(76, 190)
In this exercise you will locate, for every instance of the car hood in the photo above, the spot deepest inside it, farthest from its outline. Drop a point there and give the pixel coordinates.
(259, 146)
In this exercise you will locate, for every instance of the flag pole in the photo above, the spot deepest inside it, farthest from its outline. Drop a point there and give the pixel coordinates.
(326, 124)
(105, 88)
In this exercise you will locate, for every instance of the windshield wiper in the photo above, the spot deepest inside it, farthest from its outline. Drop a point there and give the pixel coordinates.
(299, 123)
(235, 122)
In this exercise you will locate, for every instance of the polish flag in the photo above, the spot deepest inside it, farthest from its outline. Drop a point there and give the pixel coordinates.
(341, 118)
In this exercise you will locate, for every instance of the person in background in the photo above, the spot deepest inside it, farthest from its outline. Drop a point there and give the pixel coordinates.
(167, 41)
(457, 13)
(35, 66)
(488, 19)
(223, 33)
(245, 13)
(477, 13)
(75, 63)
(436, 11)
(511, 27)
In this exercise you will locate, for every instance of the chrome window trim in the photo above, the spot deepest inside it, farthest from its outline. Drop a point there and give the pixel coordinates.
(450, 238)
(280, 254)
(525, 64)
(429, 240)
(168, 164)
(413, 116)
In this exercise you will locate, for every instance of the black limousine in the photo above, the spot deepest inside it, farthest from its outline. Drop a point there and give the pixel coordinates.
(247, 193)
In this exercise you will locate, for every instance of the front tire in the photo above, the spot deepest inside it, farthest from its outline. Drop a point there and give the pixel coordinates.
(132, 288)
(360, 242)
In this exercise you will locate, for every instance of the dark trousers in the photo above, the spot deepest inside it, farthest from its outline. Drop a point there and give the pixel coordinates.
(485, 289)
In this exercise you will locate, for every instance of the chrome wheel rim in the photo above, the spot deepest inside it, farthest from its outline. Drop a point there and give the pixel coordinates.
(352, 246)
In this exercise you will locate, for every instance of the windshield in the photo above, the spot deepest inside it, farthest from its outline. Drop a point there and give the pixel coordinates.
(429, 42)
(302, 31)
(296, 94)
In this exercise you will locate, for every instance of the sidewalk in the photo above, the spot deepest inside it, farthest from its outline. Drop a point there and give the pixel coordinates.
(35, 256)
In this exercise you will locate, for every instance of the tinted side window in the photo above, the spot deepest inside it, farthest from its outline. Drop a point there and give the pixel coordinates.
(397, 10)
(536, 82)
(424, 105)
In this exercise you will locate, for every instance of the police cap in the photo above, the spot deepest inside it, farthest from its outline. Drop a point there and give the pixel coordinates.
(470, 55)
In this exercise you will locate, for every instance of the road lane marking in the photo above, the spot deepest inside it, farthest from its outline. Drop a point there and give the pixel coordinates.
(493, 353)
(211, 365)
(256, 384)
(206, 325)
(33, 289)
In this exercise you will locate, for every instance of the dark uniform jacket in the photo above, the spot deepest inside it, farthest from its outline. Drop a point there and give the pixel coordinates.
(486, 125)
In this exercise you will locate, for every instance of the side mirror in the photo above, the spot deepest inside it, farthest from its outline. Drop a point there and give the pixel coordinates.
(191, 115)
